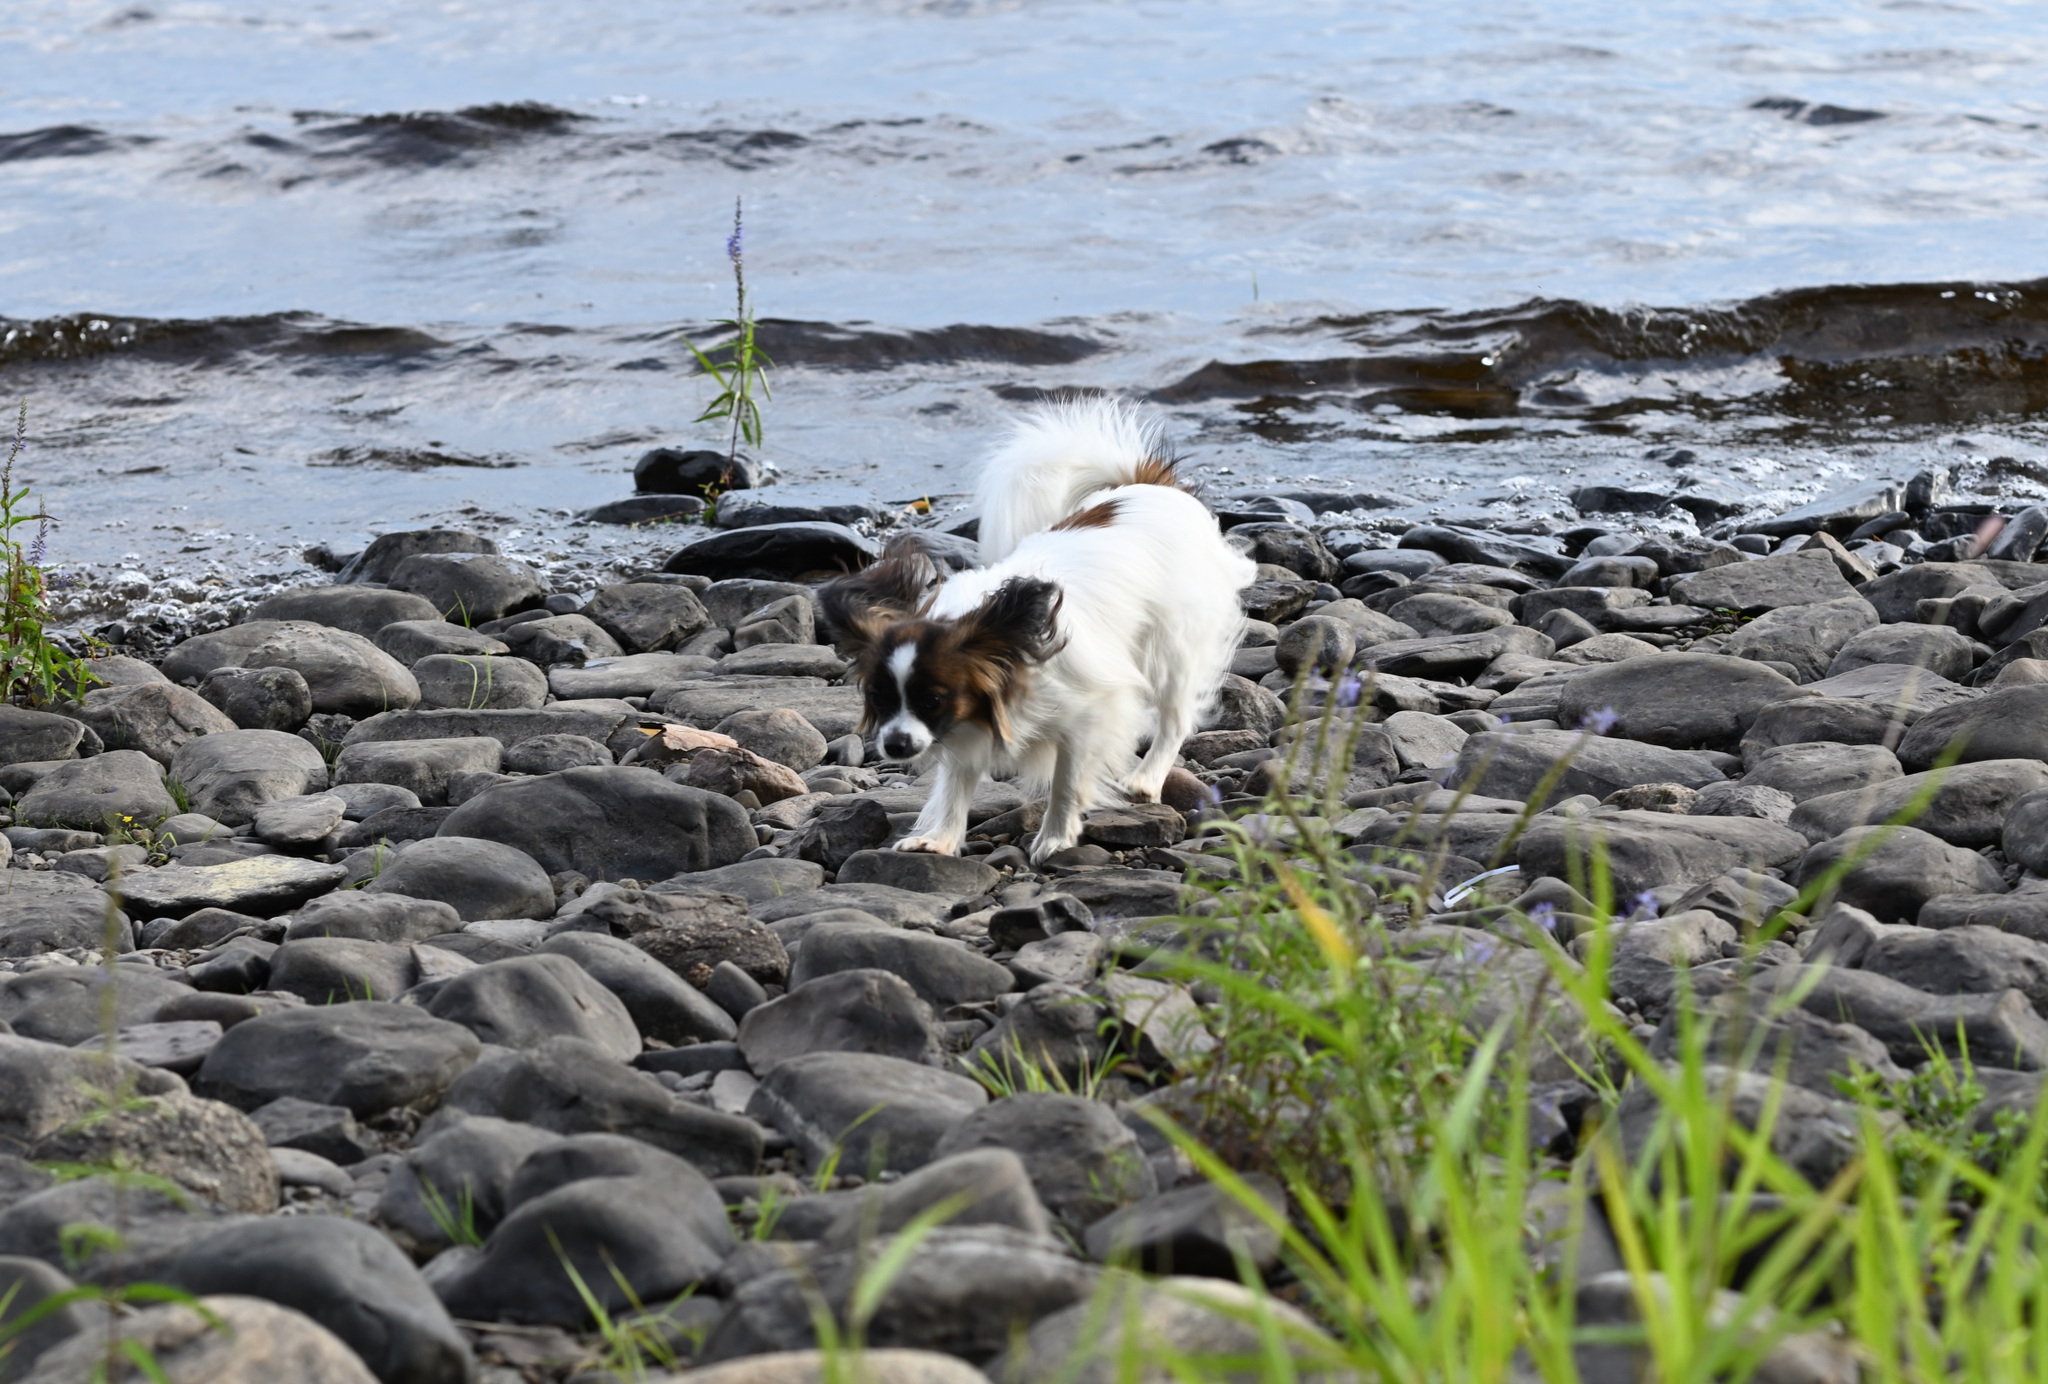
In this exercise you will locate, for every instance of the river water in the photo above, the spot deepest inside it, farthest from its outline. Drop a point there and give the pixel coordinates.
(278, 272)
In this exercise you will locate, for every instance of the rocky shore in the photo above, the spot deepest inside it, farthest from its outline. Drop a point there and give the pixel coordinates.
(471, 920)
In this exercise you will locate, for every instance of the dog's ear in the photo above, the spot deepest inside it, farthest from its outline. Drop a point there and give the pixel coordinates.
(859, 607)
(1015, 627)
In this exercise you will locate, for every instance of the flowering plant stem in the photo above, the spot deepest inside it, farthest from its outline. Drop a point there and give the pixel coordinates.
(744, 371)
(32, 666)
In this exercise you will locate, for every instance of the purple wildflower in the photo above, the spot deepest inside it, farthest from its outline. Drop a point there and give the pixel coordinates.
(1544, 915)
(1212, 796)
(1646, 903)
(732, 242)
(1348, 690)
(36, 549)
(1599, 722)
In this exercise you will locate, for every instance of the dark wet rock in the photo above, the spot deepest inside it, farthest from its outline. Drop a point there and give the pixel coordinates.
(330, 1131)
(647, 509)
(524, 1001)
(393, 824)
(822, 1101)
(360, 610)
(463, 1171)
(943, 973)
(1480, 546)
(421, 767)
(209, 1150)
(1647, 849)
(825, 502)
(1083, 1161)
(967, 1291)
(345, 1276)
(659, 1236)
(857, 1011)
(365, 1056)
(1683, 701)
(1512, 764)
(230, 774)
(152, 717)
(693, 950)
(899, 907)
(262, 887)
(2004, 723)
(693, 471)
(732, 601)
(476, 682)
(572, 1087)
(479, 879)
(34, 737)
(662, 1005)
(1201, 1230)
(1809, 637)
(1450, 657)
(331, 970)
(1902, 870)
(377, 562)
(775, 552)
(470, 588)
(98, 792)
(920, 872)
(609, 823)
(989, 1185)
(1964, 805)
(1275, 602)
(238, 966)
(345, 672)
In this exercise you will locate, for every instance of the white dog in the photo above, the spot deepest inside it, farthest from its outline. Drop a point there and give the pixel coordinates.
(1109, 609)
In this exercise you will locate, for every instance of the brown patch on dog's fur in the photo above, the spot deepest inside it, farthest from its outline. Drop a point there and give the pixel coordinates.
(1094, 517)
(896, 586)
(1159, 468)
(966, 670)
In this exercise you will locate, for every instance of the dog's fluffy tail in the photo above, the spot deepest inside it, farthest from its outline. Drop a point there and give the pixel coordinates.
(1058, 455)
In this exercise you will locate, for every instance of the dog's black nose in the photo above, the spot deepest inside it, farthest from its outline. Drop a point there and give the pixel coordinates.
(896, 745)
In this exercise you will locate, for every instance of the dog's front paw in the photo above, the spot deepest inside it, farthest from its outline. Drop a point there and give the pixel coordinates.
(1048, 844)
(1140, 792)
(931, 845)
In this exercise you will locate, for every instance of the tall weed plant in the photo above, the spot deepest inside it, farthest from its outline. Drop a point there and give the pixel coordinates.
(742, 375)
(33, 667)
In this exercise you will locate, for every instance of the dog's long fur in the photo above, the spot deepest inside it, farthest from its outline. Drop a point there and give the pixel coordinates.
(1109, 610)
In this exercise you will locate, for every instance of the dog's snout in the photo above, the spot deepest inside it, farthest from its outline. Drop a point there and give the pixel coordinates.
(897, 744)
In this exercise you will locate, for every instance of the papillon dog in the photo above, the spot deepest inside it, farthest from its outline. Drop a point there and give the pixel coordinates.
(1108, 609)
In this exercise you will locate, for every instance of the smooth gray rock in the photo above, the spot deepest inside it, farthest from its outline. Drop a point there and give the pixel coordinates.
(647, 616)
(262, 886)
(1901, 690)
(884, 1113)
(1962, 961)
(779, 735)
(856, 1011)
(409, 641)
(597, 722)
(360, 610)
(834, 711)
(230, 774)
(470, 588)
(572, 1087)
(464, 1172)
(1805, 577)
(479, 879)
(1809, 637)
(2004, 723)
(345, 1276)
(942, 972)
(550, 754)
(1822, 720)
(152, 717)
(1897, 869)
(609, 823)
(1201, 1230)
(662, 1005)
(121, 788)
(1512, 764)
(1681, 701)
(1083, 1161)
(345, 672)
(523, 1001)
(1647, 849)
(560, 639)
(421, 767)
(34, 737)
(1934, 647)
(1999, 1030)
(365, 1056)
(1053, 1029)
(1964, 805)
(377, 562)
(331, 970)
(1181, 1318)
(25, 1284)
(1817, 769)
(43, 911)
(300, 822)
(920, 872)
(479, 682)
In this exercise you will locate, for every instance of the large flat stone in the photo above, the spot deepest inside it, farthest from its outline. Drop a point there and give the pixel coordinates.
(508, 728)
(262, 887)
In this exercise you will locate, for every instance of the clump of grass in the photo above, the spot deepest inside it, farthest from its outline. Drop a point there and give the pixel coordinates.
(741, 375)
(33, 667)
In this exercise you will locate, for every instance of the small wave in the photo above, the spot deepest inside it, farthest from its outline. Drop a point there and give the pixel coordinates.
(65, 142)
(1811, 113)
(203, 341)
(428, 458)
(417, 139)
(1913, 353)
(833, 346)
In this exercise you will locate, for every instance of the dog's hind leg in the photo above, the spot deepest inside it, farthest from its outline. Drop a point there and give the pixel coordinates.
(942, 826)
(1176, 715)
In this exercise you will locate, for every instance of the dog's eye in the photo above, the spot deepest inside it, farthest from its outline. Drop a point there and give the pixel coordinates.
(930, 698)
